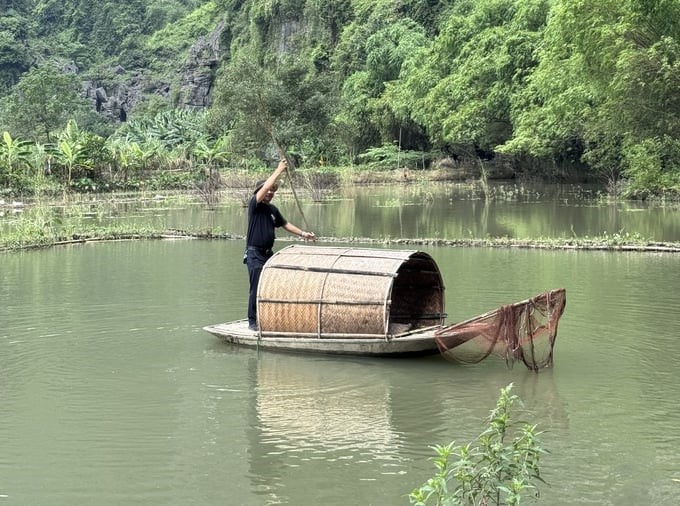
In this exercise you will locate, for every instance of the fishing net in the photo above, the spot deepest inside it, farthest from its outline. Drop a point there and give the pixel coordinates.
(523, 331)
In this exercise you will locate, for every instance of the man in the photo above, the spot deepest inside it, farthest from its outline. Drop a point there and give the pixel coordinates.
(263, 219)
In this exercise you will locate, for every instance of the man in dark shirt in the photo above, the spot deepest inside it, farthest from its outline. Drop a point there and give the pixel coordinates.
(263, 219)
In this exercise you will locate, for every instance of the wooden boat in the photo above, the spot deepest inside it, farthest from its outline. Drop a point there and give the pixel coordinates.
(418, 343)
(356, 301)
(376, 302)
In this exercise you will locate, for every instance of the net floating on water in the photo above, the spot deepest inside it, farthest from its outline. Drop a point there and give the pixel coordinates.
(523, 331)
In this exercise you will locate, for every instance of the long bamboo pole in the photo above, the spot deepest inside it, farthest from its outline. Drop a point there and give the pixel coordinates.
(267, 124)
(291, 165)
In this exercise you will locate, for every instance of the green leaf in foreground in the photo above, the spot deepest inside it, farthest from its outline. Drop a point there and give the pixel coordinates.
(501, 467)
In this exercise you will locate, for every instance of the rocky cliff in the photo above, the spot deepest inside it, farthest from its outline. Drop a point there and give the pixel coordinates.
(195, 83)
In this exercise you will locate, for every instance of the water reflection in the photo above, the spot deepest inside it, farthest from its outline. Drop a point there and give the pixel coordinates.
(369, 423)
(318, 419)
(416, 210)
(297, 408)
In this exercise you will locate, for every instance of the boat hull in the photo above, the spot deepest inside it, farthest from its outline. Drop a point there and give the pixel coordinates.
(417, 343)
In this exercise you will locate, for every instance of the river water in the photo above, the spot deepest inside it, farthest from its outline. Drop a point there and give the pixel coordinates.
(112, 393)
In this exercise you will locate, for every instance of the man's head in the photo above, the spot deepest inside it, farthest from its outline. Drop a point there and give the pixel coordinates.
(270, 194)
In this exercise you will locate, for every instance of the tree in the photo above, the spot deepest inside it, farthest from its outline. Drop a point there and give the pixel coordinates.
(209, 156)
(75, 152)
(42, 103)
(607, 90)
(426, 13)
(14, 53)
(280, 105)
(461, 87)
(14, 162)
(367, 114)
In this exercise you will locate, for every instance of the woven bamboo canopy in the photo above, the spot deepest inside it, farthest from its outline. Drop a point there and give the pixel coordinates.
(348, 292)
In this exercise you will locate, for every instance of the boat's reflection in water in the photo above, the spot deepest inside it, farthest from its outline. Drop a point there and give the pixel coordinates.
(359, 425)
(315, 416)
(305, 409)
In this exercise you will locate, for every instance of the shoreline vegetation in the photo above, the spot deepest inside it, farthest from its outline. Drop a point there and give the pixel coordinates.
(43, 231)
(614, 243)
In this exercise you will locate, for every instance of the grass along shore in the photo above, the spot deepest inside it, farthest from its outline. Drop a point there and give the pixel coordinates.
(44, 229)
(32, 237)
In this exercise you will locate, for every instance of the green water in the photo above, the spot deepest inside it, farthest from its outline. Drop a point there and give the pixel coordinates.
(112, 393)
(432, 210)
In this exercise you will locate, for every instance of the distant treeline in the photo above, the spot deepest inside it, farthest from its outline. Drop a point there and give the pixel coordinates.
(560, 87)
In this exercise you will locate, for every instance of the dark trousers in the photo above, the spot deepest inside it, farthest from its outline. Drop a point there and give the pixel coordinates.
(255, 260)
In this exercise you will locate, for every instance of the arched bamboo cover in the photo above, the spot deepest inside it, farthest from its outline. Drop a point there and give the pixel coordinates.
(348, 292)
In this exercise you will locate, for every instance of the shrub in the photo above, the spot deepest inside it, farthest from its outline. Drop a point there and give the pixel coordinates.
(496, 470)
(389, 156)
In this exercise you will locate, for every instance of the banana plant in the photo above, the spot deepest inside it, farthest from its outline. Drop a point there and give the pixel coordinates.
(67, 155)
(14, 156)
(129, 156)
(211, 154)
(70, 150)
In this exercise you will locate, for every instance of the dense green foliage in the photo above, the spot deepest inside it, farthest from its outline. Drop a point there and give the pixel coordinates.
(585, 87)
